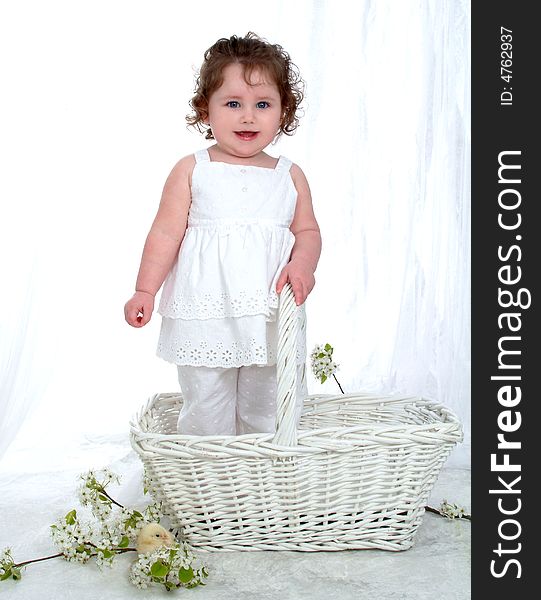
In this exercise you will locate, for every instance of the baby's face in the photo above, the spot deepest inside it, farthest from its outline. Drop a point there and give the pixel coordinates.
(244, 118)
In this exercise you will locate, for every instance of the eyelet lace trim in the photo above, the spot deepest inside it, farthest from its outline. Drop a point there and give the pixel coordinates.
(223, 355)
(219, 305)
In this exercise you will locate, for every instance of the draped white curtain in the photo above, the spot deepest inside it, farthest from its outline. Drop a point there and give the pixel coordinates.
(92, 109)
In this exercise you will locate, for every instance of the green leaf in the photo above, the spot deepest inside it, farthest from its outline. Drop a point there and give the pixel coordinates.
(124, 542)
(159, 569)
(185, 575)
(321, 355)
(6, 575)
(107, 553)
(103, 498)
(16, 573)
(131, 521)
(71, 517)
(323, 378)
(328, 348)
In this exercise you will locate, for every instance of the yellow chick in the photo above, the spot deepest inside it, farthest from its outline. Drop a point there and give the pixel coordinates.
(153, 536)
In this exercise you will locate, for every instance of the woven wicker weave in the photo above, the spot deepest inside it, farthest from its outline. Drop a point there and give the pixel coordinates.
(356, 474)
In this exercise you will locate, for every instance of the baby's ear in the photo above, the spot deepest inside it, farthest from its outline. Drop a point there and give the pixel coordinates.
(284, 118)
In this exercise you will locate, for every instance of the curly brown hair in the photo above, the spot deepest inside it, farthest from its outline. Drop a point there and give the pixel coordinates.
(252, 52)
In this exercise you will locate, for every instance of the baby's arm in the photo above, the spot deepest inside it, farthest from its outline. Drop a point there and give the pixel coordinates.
(162, 243)
(299, 271)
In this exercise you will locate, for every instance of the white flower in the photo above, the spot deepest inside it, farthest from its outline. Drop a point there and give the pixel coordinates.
(147, 481)
(104, 558)
(140, 573)
(85, 495)
(109, 476)
(101, 510)
(69, 554)
(452, 511)
(153, 513)
(5, 556)
(323, 366)
(92, 492)
(174, 558)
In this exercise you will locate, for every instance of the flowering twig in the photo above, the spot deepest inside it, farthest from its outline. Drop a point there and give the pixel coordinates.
(170, 567)
(451, 511)
(79, 542)
(323, 365)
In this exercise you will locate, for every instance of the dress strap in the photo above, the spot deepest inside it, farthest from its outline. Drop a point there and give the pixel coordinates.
(283, 164)
(202, 155)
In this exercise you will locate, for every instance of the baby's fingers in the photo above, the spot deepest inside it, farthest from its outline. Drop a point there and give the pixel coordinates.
(136, 315)
(132, 315)
(298, 291)
(144, 316)
(282, 280)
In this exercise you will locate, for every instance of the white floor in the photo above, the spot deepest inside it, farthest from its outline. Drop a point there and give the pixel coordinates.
(37, 488)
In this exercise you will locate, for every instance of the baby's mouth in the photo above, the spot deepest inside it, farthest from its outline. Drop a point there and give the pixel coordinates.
(246, 135)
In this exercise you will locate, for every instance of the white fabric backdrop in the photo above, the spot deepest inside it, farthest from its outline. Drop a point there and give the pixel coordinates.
(93, 104)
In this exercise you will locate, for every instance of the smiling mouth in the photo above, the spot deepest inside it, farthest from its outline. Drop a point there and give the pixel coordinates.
(246, 135)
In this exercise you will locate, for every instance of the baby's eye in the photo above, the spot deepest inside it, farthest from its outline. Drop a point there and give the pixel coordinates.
(157, 535)
(262, 104)
(233, 104)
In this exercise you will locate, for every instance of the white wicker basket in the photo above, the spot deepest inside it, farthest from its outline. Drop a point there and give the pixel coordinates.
(356, 474)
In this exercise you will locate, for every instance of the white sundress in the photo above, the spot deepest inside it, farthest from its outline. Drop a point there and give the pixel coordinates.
(219, 301)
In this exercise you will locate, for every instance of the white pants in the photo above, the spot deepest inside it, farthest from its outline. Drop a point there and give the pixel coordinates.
(233, 401)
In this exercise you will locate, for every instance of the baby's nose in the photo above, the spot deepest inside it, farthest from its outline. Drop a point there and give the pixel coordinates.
(248, 115)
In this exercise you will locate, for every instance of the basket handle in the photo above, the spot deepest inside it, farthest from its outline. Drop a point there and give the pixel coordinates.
(286, 367)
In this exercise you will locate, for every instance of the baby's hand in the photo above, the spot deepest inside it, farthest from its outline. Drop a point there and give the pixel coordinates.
(138, 309)
(300, 276)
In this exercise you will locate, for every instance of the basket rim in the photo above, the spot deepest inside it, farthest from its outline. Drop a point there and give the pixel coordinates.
(449, 423)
